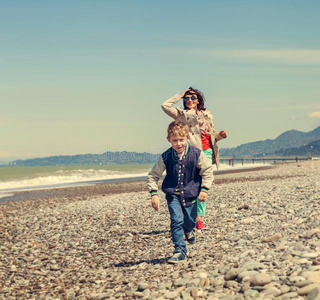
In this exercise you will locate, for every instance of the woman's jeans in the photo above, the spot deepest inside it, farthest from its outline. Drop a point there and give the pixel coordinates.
(183, 220)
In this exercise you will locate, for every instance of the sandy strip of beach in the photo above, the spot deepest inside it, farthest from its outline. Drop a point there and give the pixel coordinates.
(106, 242)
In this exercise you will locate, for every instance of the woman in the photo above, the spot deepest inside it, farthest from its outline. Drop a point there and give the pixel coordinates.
(201, 128)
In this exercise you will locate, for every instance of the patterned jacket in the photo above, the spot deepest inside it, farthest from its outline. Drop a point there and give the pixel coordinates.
(189, 117)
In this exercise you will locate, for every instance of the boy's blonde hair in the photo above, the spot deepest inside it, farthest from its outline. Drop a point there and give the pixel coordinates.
(178, 128)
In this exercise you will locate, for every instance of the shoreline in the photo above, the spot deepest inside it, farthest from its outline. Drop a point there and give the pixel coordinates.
(101, 187)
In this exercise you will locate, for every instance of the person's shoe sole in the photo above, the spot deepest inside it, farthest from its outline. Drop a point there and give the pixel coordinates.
(173, 261)
(204, 228)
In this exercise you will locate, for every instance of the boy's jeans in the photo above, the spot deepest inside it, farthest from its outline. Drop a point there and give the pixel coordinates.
(183, 220)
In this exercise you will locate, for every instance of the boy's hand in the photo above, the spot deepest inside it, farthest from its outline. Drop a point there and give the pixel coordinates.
(202, 196)
(155, 202)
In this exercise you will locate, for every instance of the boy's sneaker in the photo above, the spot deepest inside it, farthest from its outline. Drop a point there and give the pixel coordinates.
(190, 237)
(176, 257)
(200, 225)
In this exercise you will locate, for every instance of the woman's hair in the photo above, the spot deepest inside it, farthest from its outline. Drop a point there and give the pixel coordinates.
(178, 128)
(199, 95)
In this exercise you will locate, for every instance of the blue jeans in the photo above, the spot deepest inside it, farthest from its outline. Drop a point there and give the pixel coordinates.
(182, 220)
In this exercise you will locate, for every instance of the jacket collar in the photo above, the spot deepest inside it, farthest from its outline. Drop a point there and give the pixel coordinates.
(185, 153)
(192, 111)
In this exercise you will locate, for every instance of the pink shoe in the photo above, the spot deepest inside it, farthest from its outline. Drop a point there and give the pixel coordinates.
(200, 225)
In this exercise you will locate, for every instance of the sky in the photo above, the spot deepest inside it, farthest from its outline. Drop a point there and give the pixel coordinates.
(81, 77)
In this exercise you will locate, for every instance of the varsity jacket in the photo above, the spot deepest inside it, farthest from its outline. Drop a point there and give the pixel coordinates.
(185, 176)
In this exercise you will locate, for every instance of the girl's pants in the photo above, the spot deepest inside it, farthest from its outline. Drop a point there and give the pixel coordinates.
(201, 206)
(182, 220)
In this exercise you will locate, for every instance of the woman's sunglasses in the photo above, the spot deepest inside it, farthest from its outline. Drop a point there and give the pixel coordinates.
(192, 98)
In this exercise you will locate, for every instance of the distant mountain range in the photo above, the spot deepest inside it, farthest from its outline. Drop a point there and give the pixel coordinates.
(289, 143)
(287, 140)
(310, 150)
(106, 158)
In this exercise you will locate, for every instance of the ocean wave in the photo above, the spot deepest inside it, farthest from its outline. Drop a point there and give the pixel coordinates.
(66, 177)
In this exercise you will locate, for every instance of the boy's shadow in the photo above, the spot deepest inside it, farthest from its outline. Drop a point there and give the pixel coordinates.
(148, 261)
(154, 232)
(145, 233)
(132, 263)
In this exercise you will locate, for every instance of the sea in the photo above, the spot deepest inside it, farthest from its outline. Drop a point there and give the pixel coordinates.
(15, 178)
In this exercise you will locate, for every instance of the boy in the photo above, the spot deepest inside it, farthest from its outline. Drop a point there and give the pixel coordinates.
(189, 177)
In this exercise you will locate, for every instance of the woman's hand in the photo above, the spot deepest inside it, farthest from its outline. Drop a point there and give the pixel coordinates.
(183, 94)
(223, 133)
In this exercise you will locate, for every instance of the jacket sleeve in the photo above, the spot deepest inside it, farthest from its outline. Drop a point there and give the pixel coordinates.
(154, 176)
(168, 108)
(214, 133)
(217, 136)
(206, 172)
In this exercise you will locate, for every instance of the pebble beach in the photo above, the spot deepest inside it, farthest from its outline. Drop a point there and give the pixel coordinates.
(106, 242)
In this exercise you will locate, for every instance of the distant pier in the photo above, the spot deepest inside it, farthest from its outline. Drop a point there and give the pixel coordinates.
(269, 160)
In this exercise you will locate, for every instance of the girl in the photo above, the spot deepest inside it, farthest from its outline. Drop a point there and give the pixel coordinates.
(201, 128)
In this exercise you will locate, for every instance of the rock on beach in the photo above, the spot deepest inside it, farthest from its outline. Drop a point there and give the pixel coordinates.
(106, 242)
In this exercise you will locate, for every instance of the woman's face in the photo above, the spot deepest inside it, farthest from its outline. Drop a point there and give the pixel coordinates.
(191, 100)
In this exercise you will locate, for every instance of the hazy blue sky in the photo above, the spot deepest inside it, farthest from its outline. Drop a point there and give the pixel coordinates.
(90, 76)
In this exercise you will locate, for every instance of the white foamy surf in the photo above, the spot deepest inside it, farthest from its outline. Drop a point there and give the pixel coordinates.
(65, 178)
(76, 177)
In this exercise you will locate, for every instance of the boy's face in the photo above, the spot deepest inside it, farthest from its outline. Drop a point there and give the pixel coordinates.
(178, 142)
